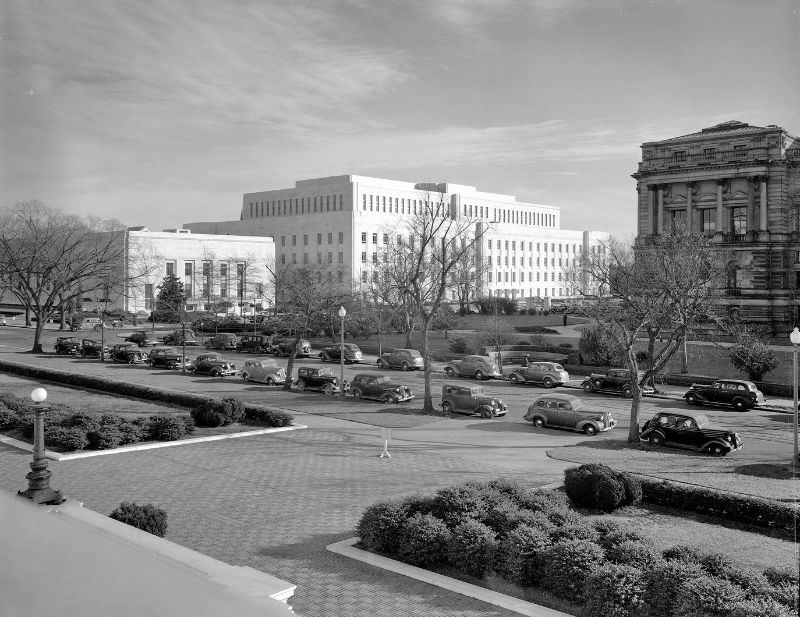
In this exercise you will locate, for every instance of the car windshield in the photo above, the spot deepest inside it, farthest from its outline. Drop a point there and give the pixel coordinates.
(558, 367)
(702, 420)
(476, 390)
(382, 379)
(326, 372)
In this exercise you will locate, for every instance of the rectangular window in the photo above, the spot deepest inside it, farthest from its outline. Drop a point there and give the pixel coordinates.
(709, 154)
(375, 238)
(319, 238)
(363, 237)
(341, 257)
(679, 156)
(148, 296)
(223, 291)
(740, 150)
(739, 220)
(305, 258)
(305, 239)
(708, 220)
(364, 202)
(386, 238)
(188, 268)
(363, 257)
(364, 277)
(330, 238)
(283, 240)
(170, 268)
(294, 240)
(330, 258)
(374, 258)
(341, 237)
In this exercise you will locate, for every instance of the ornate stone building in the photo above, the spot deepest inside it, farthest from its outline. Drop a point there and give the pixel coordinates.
(740, 184)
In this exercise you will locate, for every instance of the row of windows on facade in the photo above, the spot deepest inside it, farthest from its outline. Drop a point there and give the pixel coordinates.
(710, 154)
(319, 239)
(301, 205)
(707, 219)
(503, 277)
(577, 249)
(401, 205)
(207, 283)
(207, 289)
(306, 258)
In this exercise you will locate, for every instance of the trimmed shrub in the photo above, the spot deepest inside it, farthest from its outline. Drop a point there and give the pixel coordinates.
(662, 583)
(456, 504)
(633, 489)
(210, 413)
(424, 541)
(637, 554)
(509, 488)
(234, 409)
(706, 596)
(579, 483)
(145, 517)
(761, 607)
(502, 516)
(785, 593)
(615, 591)
(569, 562)
(166, 428)
(65, 437)
(519, 554)
(683, 553)
(9, 420)
(580, 530)
(606, 525)
(608, 492)
(86, 422)
(105, 437)
(540, 500)
(267, 417)
(716, 564)
(779, 575)
(537, 520)
(600, 487)
(615, 537)
(381, 526)
(472, 548)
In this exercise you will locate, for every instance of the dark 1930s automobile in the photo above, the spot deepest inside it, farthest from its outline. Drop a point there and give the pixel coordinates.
(93, 349)
(255, 343)
(143, 338)
(404, 359)
(283, 347)
(615, 381)
(379, 387)
(180, 338)
(165, 357)
(471, 400)
(322, 379)
(736, 393)
(68, 345)
(127, 353)
(690, 430)
(479, 367)
(211, 364)
(352, 353)
(548, 374)
(265, 371)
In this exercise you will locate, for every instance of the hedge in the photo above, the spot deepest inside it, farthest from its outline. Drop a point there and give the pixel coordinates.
(145, 517)
(600, 487)
(740, 508)
(253, 414)
(425, 539)
(616, 591)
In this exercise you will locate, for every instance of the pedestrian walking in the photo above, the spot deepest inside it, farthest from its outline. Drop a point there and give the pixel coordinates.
(565, 320)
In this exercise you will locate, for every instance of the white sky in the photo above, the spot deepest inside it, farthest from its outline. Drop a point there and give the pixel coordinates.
(160, 112)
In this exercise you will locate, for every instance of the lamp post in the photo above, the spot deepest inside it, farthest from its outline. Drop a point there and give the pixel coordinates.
(342, 313)
(794, 337)
(39, 490)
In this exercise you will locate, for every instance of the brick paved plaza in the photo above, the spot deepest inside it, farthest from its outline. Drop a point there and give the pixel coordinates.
(275, 501)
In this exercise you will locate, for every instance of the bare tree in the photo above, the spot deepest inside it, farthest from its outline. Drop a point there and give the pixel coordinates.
(309, 296)
(496, 332)
(420, 259)
(658, 291)
(467, 277)
(51, 257)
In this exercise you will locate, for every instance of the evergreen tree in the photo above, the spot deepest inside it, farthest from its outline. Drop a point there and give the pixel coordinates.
(170, 301)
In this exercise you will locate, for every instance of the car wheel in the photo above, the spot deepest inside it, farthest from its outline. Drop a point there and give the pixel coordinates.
(547, 382)
(381, 363)
(324, 357)
(587, 387)
(486, 413)
(716, 449)
(656, 440)
(538, 422)
(97, 328)
(692, 399)
(245, 376)
(172, 366)
(355, 393)
(301, 385)
(327, 389)
(478, 375)
(590, 430)
(739, 404)
(216, 373)
(270, 381)
(131, 361)
(514, 378)
(627, 392)
(447, 407)
(448, 370)
(390, 399)
(404, 366)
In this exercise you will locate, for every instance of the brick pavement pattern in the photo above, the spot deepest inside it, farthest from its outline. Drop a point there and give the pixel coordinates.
(274, 502)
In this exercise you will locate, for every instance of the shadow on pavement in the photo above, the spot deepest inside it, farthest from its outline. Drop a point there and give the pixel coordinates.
(767, 470)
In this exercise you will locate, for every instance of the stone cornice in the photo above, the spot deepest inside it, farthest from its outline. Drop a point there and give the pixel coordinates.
(696, 174)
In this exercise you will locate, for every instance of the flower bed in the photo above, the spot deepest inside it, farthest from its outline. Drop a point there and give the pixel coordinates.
(535, 540)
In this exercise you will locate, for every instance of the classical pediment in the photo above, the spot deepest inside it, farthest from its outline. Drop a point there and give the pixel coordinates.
(738, 195)
(706, 197)
(677, 199)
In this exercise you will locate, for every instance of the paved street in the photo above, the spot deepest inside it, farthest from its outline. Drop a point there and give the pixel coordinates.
(274, 502)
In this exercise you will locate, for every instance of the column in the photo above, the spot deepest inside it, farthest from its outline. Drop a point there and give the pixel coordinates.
(763, 223)
(689, 213)
(651, 209)
(751, 206)
(660, 215)
(720, 228)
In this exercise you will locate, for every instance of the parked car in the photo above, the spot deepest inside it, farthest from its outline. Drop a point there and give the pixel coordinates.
(479, 367)
(690, 430)
(90, 323)
(255, 343)
(570, 412)
(739, 394)
(166, 357)
(179, 338)
(615, 381)
(68, 345)
(322, 379)
(224, 341)
(143, 338)
(548, 374)
(211, 364)
(470, 399)
(264, 371)
(283, 347)
(380, 388)
(93, 349)
(404, 359)
(127, 353)
(352, 353)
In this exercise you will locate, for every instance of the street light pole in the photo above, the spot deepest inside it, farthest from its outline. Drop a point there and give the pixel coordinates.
(794, 337)
(39, 490)
(342, 313)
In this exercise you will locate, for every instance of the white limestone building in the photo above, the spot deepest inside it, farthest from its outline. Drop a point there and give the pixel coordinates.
(343, 220)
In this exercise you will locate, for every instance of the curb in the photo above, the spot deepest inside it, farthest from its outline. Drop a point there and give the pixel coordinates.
(346, 548)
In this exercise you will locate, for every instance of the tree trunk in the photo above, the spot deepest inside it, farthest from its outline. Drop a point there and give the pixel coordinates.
(289, 370)
(633, 430)
(684, 358)
(37, 333)
(428, 399)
